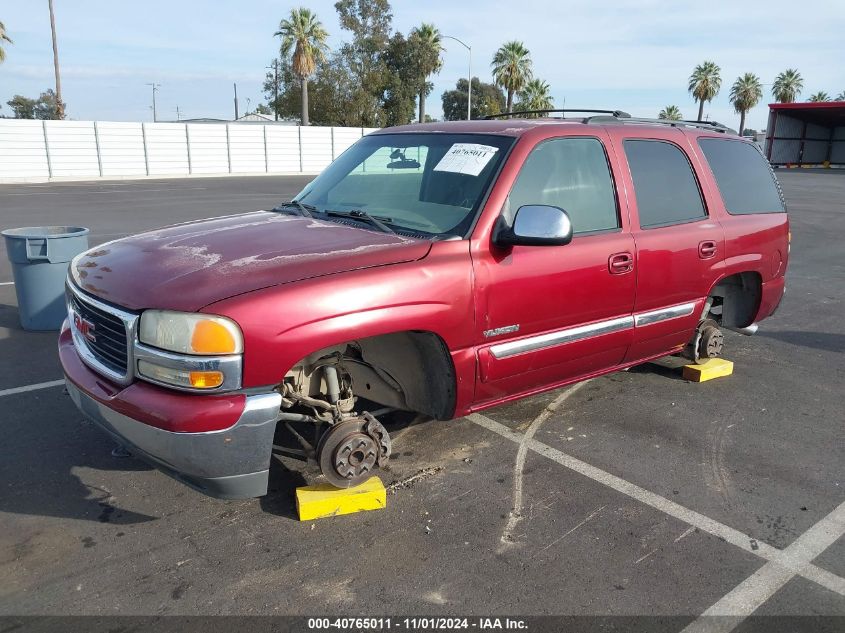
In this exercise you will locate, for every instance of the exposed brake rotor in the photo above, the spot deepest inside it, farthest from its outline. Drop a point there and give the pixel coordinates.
(351, 450)
(708, 341)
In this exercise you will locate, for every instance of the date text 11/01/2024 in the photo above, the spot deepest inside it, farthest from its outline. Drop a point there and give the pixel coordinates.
(417, 624)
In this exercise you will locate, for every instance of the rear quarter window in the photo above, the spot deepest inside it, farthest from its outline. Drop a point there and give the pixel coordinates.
(665, 187)
(745, 180)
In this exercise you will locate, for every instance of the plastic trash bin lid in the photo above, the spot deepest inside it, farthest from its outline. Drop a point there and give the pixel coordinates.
(50, 232)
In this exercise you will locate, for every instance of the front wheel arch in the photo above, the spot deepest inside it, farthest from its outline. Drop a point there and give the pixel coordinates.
(409, 370)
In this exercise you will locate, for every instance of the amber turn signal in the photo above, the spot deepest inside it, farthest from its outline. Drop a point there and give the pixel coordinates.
(212, 337)
(206, 379)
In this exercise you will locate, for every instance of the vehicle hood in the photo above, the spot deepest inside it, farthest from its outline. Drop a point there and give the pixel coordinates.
(188, 266)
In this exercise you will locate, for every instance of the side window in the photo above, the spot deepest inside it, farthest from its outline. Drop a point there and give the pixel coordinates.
(664, 185)
(570, 173)
(745, 179)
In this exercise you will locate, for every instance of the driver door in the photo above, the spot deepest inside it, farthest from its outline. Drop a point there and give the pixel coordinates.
(549, 314)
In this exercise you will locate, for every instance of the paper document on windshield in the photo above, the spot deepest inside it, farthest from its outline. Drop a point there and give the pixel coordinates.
(466, 158)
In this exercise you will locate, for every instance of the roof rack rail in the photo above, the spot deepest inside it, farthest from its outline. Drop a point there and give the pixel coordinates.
(714, 126)
(614, 113)
(618, 116)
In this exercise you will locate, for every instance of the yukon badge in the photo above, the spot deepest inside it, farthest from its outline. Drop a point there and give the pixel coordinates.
(507, 329)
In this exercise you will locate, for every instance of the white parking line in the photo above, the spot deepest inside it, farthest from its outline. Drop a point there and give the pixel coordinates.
(749, 595)
(7, 283)
(785, 558)
(35, 387)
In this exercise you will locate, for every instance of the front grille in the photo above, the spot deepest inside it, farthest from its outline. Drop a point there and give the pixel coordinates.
(107, 338)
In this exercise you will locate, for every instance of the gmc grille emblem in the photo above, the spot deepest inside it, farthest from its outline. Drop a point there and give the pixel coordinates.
(84, 327)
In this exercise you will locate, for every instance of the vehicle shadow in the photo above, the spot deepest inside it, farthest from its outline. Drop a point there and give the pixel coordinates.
(667, 367)
(825, 341)
(280, 499)
(39, 471)
(46, 440)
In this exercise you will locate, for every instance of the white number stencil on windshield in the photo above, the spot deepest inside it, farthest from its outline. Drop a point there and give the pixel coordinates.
(466, 158)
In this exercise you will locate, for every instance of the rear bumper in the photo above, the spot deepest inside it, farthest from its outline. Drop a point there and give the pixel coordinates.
(232, 463)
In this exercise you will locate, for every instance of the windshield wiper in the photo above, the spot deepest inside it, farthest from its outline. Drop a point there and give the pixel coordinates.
(377, 221)
(305, 210)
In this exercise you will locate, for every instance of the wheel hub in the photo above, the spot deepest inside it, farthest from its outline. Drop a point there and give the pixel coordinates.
(351, 450)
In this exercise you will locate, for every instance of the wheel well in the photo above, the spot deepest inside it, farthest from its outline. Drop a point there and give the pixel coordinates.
(734, 301)
(411, 370)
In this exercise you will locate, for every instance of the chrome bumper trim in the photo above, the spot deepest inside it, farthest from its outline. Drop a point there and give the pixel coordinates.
(233, 463)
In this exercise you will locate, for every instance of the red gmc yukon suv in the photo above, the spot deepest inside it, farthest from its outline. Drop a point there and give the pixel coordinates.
(438, 269)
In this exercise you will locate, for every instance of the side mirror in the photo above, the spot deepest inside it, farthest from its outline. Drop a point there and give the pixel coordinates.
(535, 225)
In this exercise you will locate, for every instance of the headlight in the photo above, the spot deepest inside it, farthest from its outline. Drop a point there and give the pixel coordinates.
(190, 333)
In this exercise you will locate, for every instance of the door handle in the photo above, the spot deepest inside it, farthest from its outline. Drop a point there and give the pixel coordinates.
(620, 263)
(707, 249)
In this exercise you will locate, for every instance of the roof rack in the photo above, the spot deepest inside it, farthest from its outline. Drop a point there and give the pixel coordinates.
(618, 116)
(614, 113)
(713, 126)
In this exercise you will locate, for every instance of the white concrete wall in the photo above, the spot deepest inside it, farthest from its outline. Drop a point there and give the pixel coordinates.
(84, 150)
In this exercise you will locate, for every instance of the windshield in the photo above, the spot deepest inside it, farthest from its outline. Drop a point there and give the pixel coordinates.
(430, 183)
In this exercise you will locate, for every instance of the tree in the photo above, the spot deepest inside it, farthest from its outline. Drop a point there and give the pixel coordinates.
(425, 45)
(787, 86)
(746, 93)
(486, 99)
(328, 92)
(304, 40)
(819, 97)
(22, 108)
(671, 113)
(3, 38)
(535, 95)
(404, 80)
(512, 69)
(370, 23)
(704, 84)
(841, 96)
(44, 107)
(48, 106)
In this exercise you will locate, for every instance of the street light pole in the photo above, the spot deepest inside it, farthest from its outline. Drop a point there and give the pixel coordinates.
(155, 88)
(469, 77)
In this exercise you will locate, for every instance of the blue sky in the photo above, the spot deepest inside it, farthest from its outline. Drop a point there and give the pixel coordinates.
(633, 55)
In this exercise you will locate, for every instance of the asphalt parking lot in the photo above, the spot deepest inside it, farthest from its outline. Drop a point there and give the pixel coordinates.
(637, 493)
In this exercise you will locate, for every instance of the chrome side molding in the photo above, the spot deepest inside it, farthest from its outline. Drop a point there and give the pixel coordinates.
(664, 314)
(569, 335)
(504, 350)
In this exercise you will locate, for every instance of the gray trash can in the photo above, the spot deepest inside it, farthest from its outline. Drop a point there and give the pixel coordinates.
(40, 256)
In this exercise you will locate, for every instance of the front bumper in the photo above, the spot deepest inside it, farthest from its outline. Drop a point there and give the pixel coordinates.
(232, 463)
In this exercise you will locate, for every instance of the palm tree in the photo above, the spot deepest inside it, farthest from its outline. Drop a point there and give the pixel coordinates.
(535, 95)
(819, 97)
(512, 68)
(704, 84)
(3, 38)
(428, 36)
(303, 38)
(841, 96)
(670, 113)
(745, 94)
(787, 86)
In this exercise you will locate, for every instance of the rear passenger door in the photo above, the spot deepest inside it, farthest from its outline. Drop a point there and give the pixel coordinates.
(679, 246)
